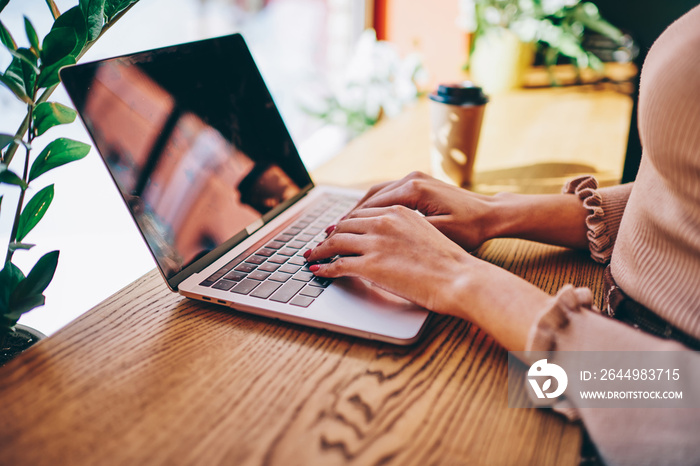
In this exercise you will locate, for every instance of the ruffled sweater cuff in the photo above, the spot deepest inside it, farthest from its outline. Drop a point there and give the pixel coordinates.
(556, 317)
(570, 322)
(606, 206)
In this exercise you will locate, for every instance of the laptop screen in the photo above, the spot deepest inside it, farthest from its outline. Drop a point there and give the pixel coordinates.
(194, 143)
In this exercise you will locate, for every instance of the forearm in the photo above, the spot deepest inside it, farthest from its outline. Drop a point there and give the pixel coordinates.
(558, 219)
(504, 305)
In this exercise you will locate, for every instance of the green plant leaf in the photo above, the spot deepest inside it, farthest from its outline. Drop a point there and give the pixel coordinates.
(26, 61)
(34, 211)
(94, 12)
(50, 114)
(7, 176)
(32, 36)
(6, 38)
(10, 277)
(30, 69)
(595, 62)
(23, 305)
(58, 43)
(38, 278)
(55, 12)
(570, 46)
(114, 7)
(57, 153)
(16, 89)
(5, 140)
(49, 76)
(23, 70)
(3, 4)
(74, 19)
(591, 19)
(16, 246)
(15, 72)
(11, 274)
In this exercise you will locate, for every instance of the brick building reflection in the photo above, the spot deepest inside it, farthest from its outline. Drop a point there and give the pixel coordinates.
(190, 187)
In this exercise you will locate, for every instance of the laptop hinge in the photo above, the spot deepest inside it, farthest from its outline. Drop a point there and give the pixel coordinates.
(253, 227)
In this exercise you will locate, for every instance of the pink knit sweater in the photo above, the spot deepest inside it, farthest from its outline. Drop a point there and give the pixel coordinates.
(650, 232)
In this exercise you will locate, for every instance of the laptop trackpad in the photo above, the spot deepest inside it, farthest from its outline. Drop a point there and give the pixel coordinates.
(373, 293)
(358, 304)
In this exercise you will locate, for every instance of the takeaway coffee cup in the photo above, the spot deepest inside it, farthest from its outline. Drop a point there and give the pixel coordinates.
(456, 113)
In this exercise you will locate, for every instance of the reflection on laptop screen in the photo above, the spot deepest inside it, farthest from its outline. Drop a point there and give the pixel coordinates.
(193, 141)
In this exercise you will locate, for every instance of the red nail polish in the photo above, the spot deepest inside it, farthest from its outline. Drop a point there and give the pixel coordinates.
(307, 253)
(330, 229)
(314, 268)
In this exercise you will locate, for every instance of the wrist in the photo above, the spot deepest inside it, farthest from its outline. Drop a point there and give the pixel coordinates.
(470, 285)
(504, 216)
(558, 219)
(502, 304)
(461, 288)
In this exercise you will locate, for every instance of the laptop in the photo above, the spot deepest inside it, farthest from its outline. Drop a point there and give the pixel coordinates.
(200, 154)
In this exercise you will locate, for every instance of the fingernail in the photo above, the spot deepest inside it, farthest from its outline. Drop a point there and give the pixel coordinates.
(307, 253)
(330, 229)
(314, 267)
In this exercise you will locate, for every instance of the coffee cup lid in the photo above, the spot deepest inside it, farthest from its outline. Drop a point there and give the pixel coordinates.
(464, 93)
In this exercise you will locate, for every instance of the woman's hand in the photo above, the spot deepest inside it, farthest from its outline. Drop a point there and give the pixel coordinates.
(399, 250)
(421, 256)
(464, 217)
(470, 219)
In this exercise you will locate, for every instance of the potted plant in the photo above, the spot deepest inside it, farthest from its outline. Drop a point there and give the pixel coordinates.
(377, 83)
(506, 33)
(32, 76)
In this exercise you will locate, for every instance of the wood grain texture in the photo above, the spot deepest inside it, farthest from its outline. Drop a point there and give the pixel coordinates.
(149, 377)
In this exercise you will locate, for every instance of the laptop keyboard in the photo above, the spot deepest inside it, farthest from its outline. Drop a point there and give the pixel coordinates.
(277, 271)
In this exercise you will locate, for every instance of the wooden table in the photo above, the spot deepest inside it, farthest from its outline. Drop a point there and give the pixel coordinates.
(148, 377)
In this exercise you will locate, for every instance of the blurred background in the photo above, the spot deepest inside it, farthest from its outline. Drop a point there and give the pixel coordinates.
(335, 68)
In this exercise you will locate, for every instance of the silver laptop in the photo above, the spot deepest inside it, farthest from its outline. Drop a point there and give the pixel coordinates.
(206, 166)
